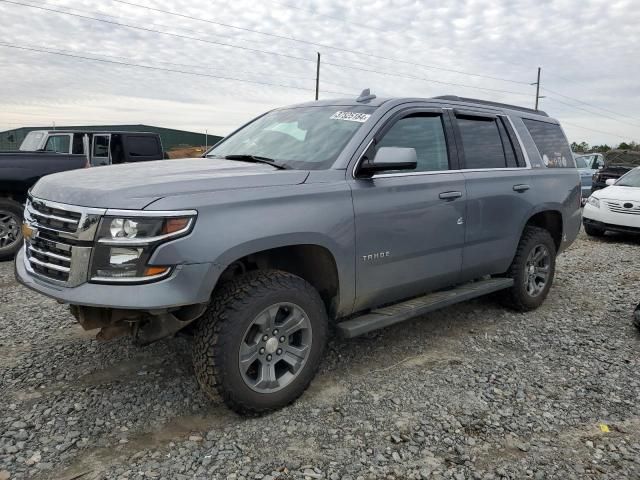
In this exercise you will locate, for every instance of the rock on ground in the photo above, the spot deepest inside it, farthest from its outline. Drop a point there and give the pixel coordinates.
(471, 392)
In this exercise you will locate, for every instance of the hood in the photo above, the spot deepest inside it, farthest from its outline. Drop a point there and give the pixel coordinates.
(618, 193)
(136, 185)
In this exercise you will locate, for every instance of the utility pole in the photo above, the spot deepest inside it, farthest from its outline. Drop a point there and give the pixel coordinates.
(537, 84)
(318, 76)
(206, 140)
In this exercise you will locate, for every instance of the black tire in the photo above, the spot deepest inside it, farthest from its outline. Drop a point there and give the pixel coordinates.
(223, 328)
(10, 228)
(636, 317)
(593, 231)
(518, 297)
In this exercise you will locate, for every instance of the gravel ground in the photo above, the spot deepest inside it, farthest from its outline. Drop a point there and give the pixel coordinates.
(473, 391)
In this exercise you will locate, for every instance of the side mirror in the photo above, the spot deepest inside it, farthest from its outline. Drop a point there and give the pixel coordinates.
(610, 181)
(390, 158)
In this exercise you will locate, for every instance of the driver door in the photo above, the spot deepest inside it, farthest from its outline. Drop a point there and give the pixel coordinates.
(410, 225)
(101, 150)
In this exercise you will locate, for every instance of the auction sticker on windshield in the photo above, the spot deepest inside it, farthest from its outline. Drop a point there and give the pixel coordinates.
(351, 116)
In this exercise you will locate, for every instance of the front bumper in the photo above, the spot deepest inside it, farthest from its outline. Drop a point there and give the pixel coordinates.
(614, 221)
(187, 285)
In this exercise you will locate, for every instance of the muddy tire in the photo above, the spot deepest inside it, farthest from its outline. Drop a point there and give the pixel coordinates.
(260, 342)
(532, 270)
(636, 317)
(10, 228)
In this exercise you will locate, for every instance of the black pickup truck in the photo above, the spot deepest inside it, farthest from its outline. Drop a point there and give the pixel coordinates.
(45, 152)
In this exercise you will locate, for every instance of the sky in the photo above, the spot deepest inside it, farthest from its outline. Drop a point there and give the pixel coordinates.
(246, 57)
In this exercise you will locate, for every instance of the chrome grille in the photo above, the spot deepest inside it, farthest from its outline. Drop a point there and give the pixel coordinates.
(619, 207)
(59, 248)
(50, 258)
(55, 218)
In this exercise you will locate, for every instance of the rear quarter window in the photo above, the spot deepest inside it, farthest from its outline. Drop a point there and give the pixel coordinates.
(551, 143)
(142, 146)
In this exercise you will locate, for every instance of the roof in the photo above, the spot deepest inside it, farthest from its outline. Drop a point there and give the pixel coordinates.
(376, 102)
(57, 130)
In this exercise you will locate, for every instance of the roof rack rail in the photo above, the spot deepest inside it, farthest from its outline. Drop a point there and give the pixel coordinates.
(455, 98)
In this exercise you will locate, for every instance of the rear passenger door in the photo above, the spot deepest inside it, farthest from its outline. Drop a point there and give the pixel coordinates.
(409, 224)
(498, 191)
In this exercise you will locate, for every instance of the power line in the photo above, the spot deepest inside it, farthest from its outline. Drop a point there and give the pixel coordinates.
(149, 67)
(316, 44)
(213, 42)
(161, 32)
(590, 104)
(592, 112)
(294, 77)
(594, 130)
(423, 79)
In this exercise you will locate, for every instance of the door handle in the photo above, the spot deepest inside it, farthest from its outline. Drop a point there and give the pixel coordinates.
(450, 195)
(523, 187)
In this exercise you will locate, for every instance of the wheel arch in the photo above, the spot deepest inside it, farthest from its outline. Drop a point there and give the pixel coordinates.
(551, 220)
(313, 261)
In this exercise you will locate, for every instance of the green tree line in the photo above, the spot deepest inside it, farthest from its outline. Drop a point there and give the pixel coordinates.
(584, 147)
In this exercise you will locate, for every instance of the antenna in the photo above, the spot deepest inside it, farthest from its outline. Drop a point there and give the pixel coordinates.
(365, 96)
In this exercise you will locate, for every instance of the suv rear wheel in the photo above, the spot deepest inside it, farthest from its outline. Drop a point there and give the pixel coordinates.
(10, 228)
(532, 270)
(260, 342)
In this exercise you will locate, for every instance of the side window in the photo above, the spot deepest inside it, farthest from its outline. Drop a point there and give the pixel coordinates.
(482, 143)
(142, 146)
(551, 143)
(57, 143)
(425, 133)
(100, 146)
(78, 145)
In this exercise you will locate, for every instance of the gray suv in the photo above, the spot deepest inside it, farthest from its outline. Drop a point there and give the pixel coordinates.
(356, 213)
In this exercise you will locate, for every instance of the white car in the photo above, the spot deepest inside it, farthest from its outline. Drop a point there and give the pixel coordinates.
(615, 208)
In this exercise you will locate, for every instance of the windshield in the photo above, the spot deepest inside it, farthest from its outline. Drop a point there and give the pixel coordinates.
(631, 179)
(308, 138)
(32, 141)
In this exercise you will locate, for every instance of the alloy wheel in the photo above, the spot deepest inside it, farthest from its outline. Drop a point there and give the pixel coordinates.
(275, 347)
(537, 270)
(9, 229)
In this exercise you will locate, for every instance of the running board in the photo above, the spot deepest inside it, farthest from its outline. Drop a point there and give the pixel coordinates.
(399, 312)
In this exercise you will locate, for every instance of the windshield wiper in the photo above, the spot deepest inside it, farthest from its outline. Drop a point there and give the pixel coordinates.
(256, 159)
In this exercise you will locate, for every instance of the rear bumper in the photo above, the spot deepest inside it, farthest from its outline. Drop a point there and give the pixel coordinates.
(187, 285)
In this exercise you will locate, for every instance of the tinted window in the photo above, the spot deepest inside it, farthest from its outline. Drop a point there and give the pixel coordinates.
(481, 142)
(140, 146)
(57, 143)
(551, 143)
(78, 144)
(426, 135)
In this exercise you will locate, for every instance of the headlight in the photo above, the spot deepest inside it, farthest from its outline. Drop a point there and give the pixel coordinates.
(593, 201)
(125, 244)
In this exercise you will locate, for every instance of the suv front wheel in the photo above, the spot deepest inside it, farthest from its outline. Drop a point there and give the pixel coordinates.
(260, 342)
(532, 270)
